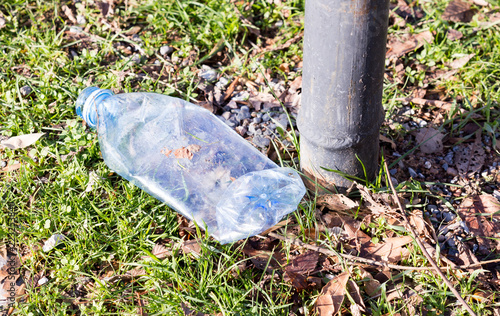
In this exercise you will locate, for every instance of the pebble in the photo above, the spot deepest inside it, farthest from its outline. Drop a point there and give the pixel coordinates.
(25, 91)
(136, 58)
(445, 166)
(395, 181)
(496, 193)
(80, 20)
(449, 157)
(226, 115)
(485, 173)
(42, 281)
(413, 174)
(231, 123)
(222, 83)
(166, 50)
(441, 238)
(452, 171)
(243, 113)
(75, 29)
(3, 164)
(266, 117)
(428, 164)
(257, 120)
(242, 130)
(393, 171)
(208, 74)
(253, 128)
(241, 96)
(448, 216)
(260, 141)
(432, 208)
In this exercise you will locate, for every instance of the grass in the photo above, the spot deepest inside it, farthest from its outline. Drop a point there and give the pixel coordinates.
(112, 226)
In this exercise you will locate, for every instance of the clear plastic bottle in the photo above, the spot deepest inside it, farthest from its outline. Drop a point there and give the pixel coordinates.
(186, 157)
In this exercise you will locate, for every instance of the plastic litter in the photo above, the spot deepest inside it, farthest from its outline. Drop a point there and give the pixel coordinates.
(186, 157)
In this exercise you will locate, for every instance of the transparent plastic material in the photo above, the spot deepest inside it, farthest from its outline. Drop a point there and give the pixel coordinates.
(186, 157)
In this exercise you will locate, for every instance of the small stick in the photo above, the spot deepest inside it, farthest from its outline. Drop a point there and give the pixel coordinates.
(424, 251)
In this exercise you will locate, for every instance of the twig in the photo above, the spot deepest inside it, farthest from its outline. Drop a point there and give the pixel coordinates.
(424, 251)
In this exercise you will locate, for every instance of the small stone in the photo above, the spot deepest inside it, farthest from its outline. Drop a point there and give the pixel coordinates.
(394, 181)
(3, 164)
(422, 123)
(136, 58)
(230, 123)
(245, 122)
(80, 20)
(244, 113)
(428, 164)
(412, 172)
(393, 171)
(242, 130)
(257, 120)
(222, 83)
(42, 281)
(432, 208)
(25, 91)
(136, 38)
(449, 158)
(166, 50)
(226, 115)
(445, 166)
(496, 193)
(253, 128)
(441, 238)
(452, 171)
(448, 216)
(485, 173)
(266, 117)
(451, 243)
(260, 141)
(272, 126)
(241, 96)
(208, 74)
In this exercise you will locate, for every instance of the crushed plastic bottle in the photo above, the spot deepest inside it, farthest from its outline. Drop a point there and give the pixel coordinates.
(186, 157)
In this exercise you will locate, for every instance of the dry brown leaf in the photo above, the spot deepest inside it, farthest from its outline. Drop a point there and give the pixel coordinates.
(458, 11)
(430, 140)
(300, 267)
(470, 158)
(332, 295)
(12, 167)
(391, 250)
(356, 295)
(481, 214)
(415, 41)
(160, 251)
(263, 100)
(264, 260)
(460, 62)
(336, 202)
(371, 286)
(388, 140)
(454, 35)
(231, 88)
(191, 246)
(21, 141)
(445, 105)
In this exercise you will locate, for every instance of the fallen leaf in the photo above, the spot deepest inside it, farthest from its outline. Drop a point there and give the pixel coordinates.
(332, 295)
(371, 286)
(133, 30)
(481, 214)
(355, 293)
(264, 260)
(458, 11)
(390, 250)
(388, 140)
(161, 251)
(445, 105)
(12, 167)
(191, 246)
(470, 157)
(481, 3)
(21, 141)
(300, 267)
(336, 202)
(430, 140)
(415, 41)
(460, 62)
(454, 35)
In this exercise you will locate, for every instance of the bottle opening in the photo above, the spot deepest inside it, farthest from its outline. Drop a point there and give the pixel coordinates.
(87, 102)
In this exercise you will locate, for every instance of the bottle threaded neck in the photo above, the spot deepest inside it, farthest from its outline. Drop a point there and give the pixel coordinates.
(86, 104)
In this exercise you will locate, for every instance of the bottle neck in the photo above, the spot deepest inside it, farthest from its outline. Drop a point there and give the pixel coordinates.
(87, 102)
